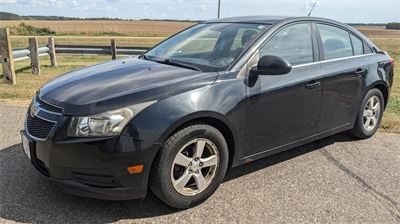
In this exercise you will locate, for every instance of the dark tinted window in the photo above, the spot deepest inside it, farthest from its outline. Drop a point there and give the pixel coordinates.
(292, 43)
(336, 42)
(358, 47)
(367, 50)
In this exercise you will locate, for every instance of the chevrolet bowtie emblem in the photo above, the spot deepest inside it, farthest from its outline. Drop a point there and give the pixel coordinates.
(34, 110)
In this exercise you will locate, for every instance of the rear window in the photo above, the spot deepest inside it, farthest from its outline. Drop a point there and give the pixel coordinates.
(335, 41)
(358, 47)
(367, 50)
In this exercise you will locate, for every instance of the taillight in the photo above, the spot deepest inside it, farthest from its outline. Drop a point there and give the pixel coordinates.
(392, 62)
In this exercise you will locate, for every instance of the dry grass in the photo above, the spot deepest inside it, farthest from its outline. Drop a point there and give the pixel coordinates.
(22, 41)
(27, 84)
(132, 28)
(378, 32)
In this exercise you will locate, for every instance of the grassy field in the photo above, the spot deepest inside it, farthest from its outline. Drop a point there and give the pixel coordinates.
(105, 27)
(27, 84)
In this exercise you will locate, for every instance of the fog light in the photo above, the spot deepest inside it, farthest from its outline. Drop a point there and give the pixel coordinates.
(135, 169)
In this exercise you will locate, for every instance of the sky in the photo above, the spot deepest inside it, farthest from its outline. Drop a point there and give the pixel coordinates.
(353, 11)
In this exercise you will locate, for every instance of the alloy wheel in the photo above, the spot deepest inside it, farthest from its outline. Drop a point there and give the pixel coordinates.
(195, 166)
(371, 113)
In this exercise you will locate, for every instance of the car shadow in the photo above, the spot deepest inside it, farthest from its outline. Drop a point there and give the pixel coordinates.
(27, 196)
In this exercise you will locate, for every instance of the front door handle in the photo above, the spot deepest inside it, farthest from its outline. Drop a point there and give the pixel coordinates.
(312, 85)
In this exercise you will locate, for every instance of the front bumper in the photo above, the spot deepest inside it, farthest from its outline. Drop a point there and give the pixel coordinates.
(92, 167)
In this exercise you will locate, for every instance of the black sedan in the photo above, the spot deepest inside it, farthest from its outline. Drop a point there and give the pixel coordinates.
(216, 95)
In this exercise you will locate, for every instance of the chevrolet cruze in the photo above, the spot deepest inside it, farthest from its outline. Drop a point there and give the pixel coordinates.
(216, 95)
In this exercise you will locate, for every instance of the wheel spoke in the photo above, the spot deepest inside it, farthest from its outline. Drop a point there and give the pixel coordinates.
(366, 113)
(182, 160)
(371, 103)
(209, 161)
(375, 107)
(373, 121)
(200, 181)
(199, 148)
(183, 180)
(367, 122)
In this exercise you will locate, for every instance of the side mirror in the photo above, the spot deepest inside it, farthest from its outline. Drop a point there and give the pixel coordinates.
(272, 65)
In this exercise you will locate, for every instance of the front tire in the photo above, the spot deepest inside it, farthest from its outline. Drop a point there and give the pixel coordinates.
(369, 115)
(190, 166)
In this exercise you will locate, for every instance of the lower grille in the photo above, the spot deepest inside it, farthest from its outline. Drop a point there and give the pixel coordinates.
(38, 127)
(96, 180)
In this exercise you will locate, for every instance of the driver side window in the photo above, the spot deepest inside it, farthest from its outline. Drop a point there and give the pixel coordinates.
(292, 43)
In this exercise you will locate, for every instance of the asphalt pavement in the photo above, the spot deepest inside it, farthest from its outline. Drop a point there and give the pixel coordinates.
(334, 180)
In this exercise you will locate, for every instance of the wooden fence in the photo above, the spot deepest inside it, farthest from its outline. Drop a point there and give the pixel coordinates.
(8, 55)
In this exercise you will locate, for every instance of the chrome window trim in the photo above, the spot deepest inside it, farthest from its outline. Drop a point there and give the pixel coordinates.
(331, 60)
(245, 70)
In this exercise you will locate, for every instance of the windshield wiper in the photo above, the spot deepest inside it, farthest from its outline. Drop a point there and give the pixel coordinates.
(144, 57)
(182, 64)
(178, 63)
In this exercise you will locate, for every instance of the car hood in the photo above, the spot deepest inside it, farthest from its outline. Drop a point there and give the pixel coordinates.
(119, 83)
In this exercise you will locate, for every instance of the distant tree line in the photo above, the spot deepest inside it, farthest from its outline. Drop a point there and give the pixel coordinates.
(11, 16)
(393, 26)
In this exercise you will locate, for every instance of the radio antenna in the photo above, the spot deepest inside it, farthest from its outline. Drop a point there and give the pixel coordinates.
(219, 8)
(312, 8)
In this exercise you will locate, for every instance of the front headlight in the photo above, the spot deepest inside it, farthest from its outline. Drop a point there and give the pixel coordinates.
(110, 123)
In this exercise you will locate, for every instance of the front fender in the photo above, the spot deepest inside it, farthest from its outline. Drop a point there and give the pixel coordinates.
(223, 101)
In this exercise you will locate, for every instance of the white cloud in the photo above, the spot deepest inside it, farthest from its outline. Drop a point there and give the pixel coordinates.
(8, 1)
(41, 3)
(202, 7)
(75, 4)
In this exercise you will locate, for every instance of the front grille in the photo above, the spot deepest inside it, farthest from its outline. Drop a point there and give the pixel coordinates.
(47, 106)
(38, 127)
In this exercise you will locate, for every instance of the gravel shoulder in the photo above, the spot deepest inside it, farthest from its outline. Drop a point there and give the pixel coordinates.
(334, 180)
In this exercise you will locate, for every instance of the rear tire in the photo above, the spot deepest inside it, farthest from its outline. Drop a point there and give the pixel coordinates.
(190, 166)
(369, 115)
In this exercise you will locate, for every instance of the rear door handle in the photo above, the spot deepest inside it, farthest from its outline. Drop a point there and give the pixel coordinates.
(312, 85)
(360, 72)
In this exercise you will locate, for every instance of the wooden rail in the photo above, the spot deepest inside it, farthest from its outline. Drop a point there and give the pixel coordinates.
(8, 56)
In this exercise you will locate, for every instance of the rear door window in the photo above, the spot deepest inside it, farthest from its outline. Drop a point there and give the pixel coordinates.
(358, 47)
(335, 41)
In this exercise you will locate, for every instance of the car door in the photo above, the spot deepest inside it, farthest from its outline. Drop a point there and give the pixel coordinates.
(282, 109)
(344, 68)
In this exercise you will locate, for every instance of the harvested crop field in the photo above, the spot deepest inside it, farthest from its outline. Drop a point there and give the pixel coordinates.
(101, 27)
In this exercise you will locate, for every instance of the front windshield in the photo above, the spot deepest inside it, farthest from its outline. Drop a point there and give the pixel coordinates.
(207, 47)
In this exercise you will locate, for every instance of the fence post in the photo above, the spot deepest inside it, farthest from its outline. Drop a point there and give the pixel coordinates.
(7, 59)
(34, 49)
(113, 49)
(52, 52)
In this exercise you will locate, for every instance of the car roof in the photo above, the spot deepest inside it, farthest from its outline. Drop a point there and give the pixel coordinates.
(266, 19)
(250, 19)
